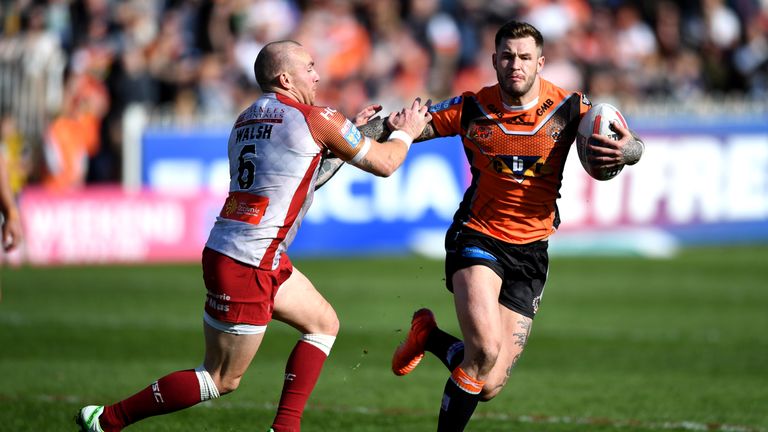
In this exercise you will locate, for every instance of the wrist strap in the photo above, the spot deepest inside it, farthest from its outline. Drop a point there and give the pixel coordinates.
(402, 136)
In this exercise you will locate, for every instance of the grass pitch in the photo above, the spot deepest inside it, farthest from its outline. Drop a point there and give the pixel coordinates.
(620, 344)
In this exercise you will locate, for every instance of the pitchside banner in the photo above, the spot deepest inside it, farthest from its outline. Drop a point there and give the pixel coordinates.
(695, 185)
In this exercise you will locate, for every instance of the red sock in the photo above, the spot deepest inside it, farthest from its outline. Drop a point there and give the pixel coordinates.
(173, 392)
(301, 373)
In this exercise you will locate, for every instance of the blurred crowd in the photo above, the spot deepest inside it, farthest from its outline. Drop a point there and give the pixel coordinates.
(83, 63)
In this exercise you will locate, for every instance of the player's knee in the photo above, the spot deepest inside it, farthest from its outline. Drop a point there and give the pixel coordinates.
(328, 325)
(491, 389)
(332, 325)
(228, 384)
(487, 396)
(485, 356)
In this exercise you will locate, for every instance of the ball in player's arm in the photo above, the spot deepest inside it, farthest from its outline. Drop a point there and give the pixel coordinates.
(597, 156)
(275, 149)
(517, 135)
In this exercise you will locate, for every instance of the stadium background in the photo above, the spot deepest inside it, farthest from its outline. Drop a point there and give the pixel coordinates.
(115, 114)
(114, 118)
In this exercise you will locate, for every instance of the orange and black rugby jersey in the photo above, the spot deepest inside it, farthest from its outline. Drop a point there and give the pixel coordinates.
(516, 156)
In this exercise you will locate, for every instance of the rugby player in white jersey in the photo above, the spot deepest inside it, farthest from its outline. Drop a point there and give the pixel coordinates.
(276, 149)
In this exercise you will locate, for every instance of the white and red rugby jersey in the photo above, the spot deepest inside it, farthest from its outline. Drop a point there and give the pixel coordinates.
(274, 152)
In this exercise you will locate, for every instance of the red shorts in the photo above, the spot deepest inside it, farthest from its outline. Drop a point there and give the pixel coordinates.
(239, 293)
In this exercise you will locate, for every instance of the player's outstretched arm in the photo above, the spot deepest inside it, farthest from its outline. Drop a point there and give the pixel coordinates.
(378, 129)
(427, 133)
(330, 163)
(384, 157)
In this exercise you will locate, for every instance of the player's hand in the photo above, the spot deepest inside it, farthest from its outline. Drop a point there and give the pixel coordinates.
(367, 114)
(12, 232)
(411, 120)
(606, 152)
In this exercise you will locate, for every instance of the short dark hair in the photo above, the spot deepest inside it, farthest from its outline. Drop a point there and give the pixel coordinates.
(271, 62)
(518, 30)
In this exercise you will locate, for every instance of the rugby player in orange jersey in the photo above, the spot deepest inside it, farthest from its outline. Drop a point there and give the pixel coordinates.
(516, 136)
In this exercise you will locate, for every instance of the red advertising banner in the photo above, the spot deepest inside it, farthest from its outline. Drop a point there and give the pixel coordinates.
(109, 225)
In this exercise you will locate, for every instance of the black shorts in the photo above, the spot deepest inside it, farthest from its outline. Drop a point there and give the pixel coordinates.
(522, 268)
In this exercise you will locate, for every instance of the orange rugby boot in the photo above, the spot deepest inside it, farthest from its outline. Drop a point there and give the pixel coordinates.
(408, 355)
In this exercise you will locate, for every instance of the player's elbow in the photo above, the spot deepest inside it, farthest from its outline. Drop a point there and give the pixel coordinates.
(384, 160)
(387, 170)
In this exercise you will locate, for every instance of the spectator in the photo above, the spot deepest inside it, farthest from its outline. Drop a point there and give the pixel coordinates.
(330, 29)
(15, 154)
(9, 213)
(74, 135)
(438, 35)
(751, 59)
(263, 21)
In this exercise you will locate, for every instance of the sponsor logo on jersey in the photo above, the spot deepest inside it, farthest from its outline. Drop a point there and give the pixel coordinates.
(351, 133)
(244, 207)
(585, 100)
(270, 111)
(261, 114)
(445, 104)
(520, 167)
(327, 113)
(270, 114)
(544, 107)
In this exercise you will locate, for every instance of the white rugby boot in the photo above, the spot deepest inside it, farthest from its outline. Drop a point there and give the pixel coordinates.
(88, 418)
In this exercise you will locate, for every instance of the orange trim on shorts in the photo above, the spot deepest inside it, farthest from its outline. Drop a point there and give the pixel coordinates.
(466, 382)
(244, 207)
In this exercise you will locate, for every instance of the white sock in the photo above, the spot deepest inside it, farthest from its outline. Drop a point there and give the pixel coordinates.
(321, 341)
(208, 388)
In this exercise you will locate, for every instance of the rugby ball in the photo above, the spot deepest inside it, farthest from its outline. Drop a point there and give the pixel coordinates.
(597, 121)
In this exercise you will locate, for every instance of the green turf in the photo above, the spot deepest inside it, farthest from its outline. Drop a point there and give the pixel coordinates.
(620, 344)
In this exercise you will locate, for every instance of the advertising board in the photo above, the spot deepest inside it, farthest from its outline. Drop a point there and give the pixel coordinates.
(705, 185)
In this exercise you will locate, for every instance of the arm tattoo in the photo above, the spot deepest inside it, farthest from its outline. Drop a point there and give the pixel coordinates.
(366, 165)
(632, 152)
(376, 129)
(427, 133)
(329, 166)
